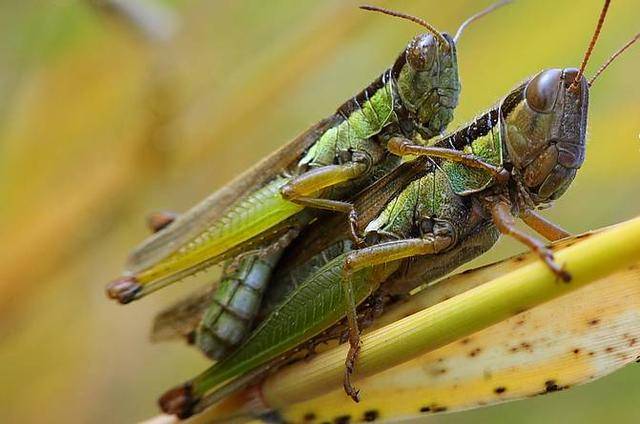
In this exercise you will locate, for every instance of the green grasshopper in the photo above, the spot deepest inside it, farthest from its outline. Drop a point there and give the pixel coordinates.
(331, 161)
(519, 155)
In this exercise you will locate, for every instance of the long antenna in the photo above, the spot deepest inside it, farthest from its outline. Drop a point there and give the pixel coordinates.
(613, 57)
(592, 44)
(477, 16)
(441, 40)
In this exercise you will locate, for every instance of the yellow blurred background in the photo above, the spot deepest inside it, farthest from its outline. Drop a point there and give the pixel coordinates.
(105, 117)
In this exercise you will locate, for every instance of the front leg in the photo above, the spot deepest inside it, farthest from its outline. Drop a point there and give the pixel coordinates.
(504, 221)
(542, 226)
(402, 147)
(377, 255)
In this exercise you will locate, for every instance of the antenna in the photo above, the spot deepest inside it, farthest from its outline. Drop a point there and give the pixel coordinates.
(477, 16)
(613, 57)
(441, 40)
(592, 44)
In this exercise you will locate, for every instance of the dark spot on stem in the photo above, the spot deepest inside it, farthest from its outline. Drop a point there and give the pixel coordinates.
(310, 416)
(576, 351)
(609, 349)
(370, 415)
(475, 352)
(500, 390)
(551, 386)
(439, 408)
(342, 419)
(438, 371)
(594, 321)
(425, 409)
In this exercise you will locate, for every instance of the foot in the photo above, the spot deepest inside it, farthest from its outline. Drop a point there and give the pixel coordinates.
(350, 363)
(547, 256)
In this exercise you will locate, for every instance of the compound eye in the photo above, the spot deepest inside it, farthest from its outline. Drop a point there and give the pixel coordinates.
(421, 52)
(542, 91)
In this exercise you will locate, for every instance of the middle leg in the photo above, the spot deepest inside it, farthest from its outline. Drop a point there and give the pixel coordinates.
(368, 257)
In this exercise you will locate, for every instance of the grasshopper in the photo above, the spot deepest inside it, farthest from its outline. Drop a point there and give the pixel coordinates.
(519, 155)
(329, 162)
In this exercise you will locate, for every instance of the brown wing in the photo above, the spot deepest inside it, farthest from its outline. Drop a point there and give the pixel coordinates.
(181, 319)
(192, 222)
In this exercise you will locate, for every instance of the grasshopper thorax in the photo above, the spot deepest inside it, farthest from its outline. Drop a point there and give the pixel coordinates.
(544, 133)
(427, 81)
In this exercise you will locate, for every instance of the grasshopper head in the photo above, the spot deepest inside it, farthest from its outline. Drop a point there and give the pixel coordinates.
(427, 73)
(428, 82)
(544, 123)
(544, 133)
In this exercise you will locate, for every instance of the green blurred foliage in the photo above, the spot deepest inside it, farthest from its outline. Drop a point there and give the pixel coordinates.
(100, 124)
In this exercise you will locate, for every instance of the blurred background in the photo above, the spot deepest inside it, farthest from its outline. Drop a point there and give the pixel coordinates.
(112, 109)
